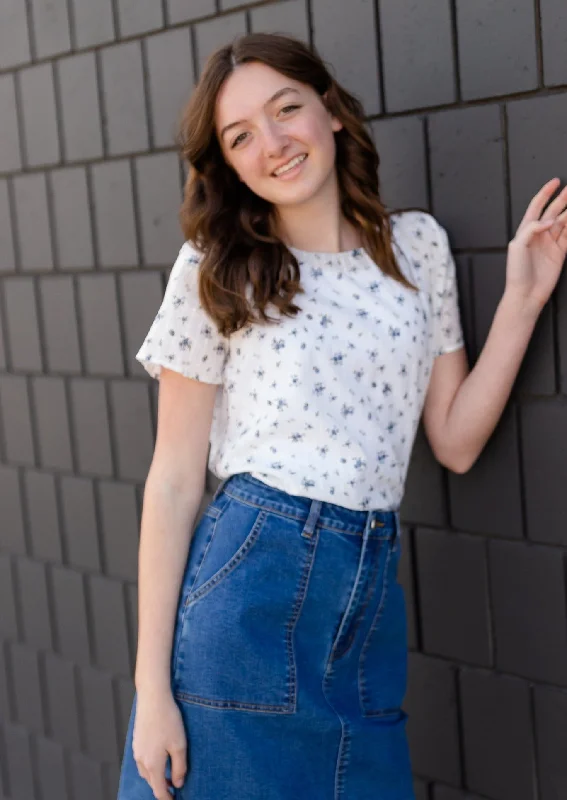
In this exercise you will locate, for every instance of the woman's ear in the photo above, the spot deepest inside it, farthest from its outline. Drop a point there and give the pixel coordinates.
(336, 124)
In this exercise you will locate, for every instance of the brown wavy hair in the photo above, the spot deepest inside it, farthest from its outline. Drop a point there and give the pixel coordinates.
(232, 226)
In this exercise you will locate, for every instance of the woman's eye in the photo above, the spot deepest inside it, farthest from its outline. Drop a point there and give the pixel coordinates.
(287, 108)
(238, 139)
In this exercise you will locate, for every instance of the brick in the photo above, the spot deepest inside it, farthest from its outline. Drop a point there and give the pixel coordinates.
(9, 616)
(61, 697)
(132, 428)
(417, 53)
(544, 424)
(98, 708)
(181, 11)
(12, 536)
(114, 214)
(499, 759)
(136, 16)
(453, 596)
(132, 615)
(80, 523)
(466, 308)
(551, 731)
(420, 790)
(72, 216)
(60, 324)
(424, 495)
(488, 498)
(141, 295)
(216, 33)
(170, 81)
(91, 425)
(27, 690)
(43, 516)
(509, 62)
(345, 36)
(14, 35)
(81, 120)
(7, 254)
(537, 373)
(70, 615)
(38, 111)
(466, 149)
(109, 625)
(94, 23)
(402, 173)
(6, 692)
(159, 198)
(52, 423)
(111, 779)
(529, 626)
(290, 18)
(34, 602)
(406, 578)
(19, 762)
(432, 725)
(120, 526)
(537, 129)
(51, 770)
(554, 38)
(123, 98)
(51, 27)
(86, 778)
(10, 156)
(23, 329)
(32, 222)
(15, 410)
(101, 333)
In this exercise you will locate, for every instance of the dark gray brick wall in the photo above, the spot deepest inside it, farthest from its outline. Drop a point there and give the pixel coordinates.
(467, 104)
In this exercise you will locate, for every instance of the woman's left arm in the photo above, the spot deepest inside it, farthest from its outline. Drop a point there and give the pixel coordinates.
(462, 408)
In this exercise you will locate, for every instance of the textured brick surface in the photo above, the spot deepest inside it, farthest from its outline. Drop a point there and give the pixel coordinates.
(417, 53)
(345, 35)
(82, 134)
(466, 105)
(499, 756)
(38, 108)
(508, 63)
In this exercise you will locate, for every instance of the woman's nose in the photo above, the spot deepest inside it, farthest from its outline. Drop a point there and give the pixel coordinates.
(274, 140)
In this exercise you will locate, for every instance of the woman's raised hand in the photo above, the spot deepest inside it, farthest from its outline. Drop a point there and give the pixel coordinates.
(537, 252)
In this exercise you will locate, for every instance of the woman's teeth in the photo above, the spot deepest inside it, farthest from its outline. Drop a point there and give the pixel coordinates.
(290, 164)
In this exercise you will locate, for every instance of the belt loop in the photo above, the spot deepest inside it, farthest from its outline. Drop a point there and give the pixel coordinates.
(312, 518)
(219, 489)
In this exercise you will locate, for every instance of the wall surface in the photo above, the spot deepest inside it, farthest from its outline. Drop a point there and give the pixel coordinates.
(467, 101)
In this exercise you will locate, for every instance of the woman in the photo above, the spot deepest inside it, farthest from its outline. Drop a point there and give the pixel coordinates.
(304, 330)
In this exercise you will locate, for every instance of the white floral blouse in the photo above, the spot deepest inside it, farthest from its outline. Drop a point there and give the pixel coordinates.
(326, 404)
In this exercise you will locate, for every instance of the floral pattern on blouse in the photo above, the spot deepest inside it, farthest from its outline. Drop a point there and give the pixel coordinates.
(325, 404)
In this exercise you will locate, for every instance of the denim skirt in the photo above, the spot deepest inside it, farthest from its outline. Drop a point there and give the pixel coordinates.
(289, 654)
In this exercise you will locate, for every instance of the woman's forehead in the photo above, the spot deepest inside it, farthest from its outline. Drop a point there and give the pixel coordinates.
(248, 89)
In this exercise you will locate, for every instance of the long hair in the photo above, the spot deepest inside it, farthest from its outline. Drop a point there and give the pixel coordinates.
(232, 226)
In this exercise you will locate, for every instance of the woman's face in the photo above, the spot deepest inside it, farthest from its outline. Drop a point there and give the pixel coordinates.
(265, 122)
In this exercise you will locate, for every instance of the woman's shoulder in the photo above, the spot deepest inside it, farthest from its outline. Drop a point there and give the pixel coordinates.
(417, 228)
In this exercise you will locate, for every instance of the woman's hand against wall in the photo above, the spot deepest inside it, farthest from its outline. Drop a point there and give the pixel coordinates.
(537, 252)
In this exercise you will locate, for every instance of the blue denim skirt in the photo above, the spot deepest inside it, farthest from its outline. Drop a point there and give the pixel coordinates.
(289, 655)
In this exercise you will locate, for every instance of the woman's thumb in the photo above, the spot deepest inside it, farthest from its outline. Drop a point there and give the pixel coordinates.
(178, 766)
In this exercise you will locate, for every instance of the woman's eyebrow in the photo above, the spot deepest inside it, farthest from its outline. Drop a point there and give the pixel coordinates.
(273, 98)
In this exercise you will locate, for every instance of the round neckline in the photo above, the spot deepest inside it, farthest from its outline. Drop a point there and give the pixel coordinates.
(354, 252)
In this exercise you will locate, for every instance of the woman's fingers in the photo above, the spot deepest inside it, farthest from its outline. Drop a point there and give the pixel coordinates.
(539, 201)
(557, 206)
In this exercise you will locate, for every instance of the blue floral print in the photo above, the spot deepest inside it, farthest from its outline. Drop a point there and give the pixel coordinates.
(325, 404)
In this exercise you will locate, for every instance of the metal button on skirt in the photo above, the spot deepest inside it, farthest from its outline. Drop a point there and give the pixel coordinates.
(289, 653)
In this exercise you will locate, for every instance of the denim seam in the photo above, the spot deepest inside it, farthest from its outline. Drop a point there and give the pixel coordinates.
(231, 564)
(237, 705)
(342, 759)
(362, 689)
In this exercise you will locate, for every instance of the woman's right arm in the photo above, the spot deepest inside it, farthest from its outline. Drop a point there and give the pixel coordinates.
(172, 496)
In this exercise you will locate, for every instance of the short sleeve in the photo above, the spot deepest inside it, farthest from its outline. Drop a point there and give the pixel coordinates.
(447, 331)
(182, 336)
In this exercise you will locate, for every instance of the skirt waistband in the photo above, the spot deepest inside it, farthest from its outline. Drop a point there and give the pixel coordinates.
(248, 489)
